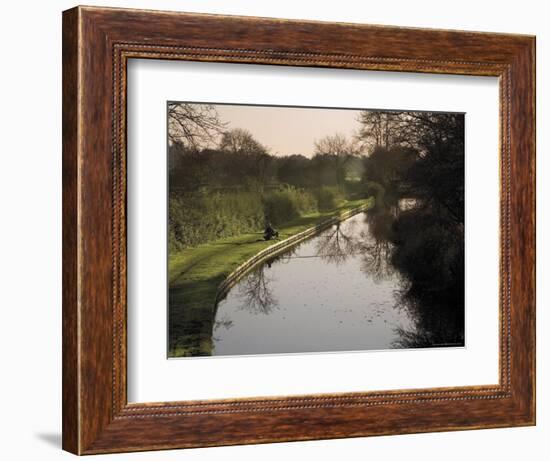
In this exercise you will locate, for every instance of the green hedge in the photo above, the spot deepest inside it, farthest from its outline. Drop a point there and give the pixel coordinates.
(201, 217)
(287, 204)
(197, 218)
(327, 197)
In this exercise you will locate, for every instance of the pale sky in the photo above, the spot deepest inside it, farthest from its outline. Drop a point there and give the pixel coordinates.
(289, 130)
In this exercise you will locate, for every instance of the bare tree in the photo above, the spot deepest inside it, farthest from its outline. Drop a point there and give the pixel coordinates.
(253, 158)
(193, 126)
(341, 150)
(417, 130)
(240, 141)
(379, 128)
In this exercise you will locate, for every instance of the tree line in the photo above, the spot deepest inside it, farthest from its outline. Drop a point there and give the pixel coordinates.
(393, 154)
(388, 147)
(203, 152)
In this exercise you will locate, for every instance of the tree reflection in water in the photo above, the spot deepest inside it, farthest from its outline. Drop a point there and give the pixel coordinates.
(417, 242)
(429, 253)
(254, 290)
(376, 247)
(333, 246)
(425, 246)
(423, 162)
(224, 322)
(373, 244)
(338, 243)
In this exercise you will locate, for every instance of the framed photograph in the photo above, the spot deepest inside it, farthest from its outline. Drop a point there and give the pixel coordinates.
(282, 230)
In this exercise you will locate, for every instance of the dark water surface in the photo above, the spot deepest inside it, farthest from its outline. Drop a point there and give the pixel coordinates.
(337, 291)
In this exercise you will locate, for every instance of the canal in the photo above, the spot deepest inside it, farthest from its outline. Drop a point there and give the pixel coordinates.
(337, 291)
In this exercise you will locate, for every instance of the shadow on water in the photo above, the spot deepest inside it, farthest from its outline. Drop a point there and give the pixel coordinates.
(429, 252)
(426, 248)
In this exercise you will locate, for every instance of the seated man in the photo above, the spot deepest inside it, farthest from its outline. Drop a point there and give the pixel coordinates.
(270, 232)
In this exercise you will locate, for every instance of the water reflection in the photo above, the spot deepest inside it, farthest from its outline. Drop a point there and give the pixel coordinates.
(337, 244)
(224, 322)
(432, 263)
(389, 278)
(377, 249)
(256, 293)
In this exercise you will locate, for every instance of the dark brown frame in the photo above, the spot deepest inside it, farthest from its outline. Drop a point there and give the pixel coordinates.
(97, 43)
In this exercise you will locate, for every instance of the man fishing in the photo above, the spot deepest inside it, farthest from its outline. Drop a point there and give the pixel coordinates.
(270, 232)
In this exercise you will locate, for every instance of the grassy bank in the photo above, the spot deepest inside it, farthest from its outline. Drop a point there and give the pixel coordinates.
(195, 274)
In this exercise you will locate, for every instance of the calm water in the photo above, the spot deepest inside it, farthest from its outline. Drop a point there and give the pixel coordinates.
(334, 292)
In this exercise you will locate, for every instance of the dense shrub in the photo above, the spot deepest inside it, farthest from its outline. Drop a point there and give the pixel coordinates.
(378, 191)
(287, 204)
(327, 197)
(196, 218)
(355, 189)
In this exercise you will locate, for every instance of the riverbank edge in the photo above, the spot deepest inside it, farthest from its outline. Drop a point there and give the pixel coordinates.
(201, 345)
(282, 246)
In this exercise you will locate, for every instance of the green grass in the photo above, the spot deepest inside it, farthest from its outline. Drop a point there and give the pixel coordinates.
(195, 274)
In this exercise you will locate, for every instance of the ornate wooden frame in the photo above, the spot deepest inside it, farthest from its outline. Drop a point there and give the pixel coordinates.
(97, 43)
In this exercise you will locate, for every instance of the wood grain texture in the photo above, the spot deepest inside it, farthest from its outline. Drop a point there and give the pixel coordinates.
(97, 43)
(70, 383)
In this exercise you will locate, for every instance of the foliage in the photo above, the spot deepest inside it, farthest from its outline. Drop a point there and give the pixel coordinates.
(379, 128)
(199, 217)
(385, 165)
(196, 218)
(238, 159)
(287, 204)
(420, 156)
(417, 130)
(340, 151)
(377, 191)
(327, 197)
